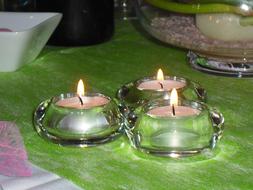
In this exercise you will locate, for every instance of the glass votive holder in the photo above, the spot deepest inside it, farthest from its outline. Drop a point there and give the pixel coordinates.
(134, 94)
(195, 127)
(63, 120)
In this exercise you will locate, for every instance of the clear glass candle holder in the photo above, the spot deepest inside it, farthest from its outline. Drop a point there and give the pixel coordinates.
(70, 126)
(131, 96)
(156, 132)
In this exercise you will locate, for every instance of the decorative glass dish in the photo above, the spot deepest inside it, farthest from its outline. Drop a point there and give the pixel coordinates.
(133, 94)
(191, 129)
(218, 33)
(96, 121)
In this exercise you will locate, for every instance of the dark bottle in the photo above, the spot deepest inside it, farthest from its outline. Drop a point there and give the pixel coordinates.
(84, 22)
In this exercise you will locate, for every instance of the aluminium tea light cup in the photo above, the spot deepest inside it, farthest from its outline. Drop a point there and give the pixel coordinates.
(136, 93)
(191, 129)
(78, 120)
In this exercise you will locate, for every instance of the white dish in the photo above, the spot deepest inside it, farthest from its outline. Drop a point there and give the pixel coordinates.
(22, 37)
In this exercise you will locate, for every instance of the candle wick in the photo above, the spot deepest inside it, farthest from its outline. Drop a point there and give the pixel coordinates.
(80, 100)
(161, 85)
(173, 110)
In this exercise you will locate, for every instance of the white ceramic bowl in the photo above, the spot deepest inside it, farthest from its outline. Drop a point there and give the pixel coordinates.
(22, 37)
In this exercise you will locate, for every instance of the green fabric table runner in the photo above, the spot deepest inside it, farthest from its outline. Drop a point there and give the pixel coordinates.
(130, 55)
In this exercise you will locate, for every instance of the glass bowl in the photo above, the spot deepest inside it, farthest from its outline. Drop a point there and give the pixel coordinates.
(195, 127)
(218, 33)
(130, 96)
(69, 126)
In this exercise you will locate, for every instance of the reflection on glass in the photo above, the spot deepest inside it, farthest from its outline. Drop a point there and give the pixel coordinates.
(125, 9)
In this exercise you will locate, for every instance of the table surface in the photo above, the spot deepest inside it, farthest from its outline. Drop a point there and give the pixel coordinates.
(131, 54)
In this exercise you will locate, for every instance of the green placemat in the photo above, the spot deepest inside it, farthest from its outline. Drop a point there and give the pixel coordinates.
(128, 56)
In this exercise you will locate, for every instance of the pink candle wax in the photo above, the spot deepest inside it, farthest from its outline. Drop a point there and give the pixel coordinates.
(180, 111)
(88, 102)
(166, 85)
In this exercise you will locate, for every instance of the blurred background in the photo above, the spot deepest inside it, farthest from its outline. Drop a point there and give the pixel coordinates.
(84, 22)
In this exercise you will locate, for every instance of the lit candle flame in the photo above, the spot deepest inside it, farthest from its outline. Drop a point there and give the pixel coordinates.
(174, 98)
(80, 88)
(160, 75)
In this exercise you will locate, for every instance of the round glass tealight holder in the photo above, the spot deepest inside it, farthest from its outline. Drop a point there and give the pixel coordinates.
(62, 121)
(134, 94)
(195, 127)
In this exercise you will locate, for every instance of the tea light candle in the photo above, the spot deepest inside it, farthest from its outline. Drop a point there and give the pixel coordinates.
(172, 129)
(79, 119)
(161, 84)
(138, 92)
(88, 102)
(180, 111)
(173, 110)
(82, 101)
